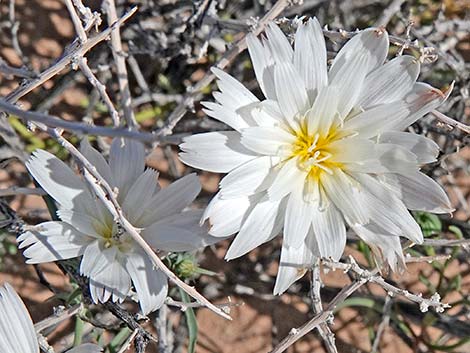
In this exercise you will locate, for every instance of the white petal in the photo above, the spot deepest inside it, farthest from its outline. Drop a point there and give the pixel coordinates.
(17, 332)
(290, 177)
(261, 225)
(86, 348)
(97, 160)
(171, 200)
(342, 190)
(248, 179)
(421, 100)
(426, 150)
(114, 280)
(218, 152)
(225, 115)
(350, 150)
(180, 232)
(330, 232)
(267, 140)
(84, 223)
(263, 64)
(384, 117)
(390, 82)
(385, 247)
(361, 54)
(310, 56)
(51, 242)
(419, 192)
(140, 196)
(226, 216)
(96, 258)
(151, 284)
(298, 218)
(127, 162)
(324, 111)
(294, 263)
(291, 92)
(387, 211)
(279, 44)
(233, 89)
(58, 180)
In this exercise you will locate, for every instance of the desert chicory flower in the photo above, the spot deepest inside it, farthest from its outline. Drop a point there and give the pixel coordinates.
(325, 148)
(111, 259)
(17, 334)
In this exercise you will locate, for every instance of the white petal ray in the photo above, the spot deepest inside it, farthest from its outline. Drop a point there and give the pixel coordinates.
(226, 216)
(298, 218)
(51, 242)
(419, 192)
(231, 87)
(324, 110)
(387, 248)
(84, 223)
(140, 195)
(310, 57)
(288, 178)
(262, 224)
(426, 150)
(17, 332)
(248, 179)
(58, 180)
(390, 82)
(343, 191)
(218, 152)
(270, 141)
(97, 160)
(171, 200)
(96, 258)
(225, 115)
(294, 263)
(291, 92)
(421, 100)
(263, 64)
(113, 280)
(387, 211)
(179, 232)
(360, 55)
(350, 150)
(281, 49)
(330, 232)
(151, 284)
(372, 122)
(127, 162)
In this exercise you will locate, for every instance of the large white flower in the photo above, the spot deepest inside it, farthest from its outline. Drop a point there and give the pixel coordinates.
(325, 148)
(17, 334)
(111, 259)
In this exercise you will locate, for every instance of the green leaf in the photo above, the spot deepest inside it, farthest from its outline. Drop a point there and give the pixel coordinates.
(430, 223)
(191, 322)
(119, 339)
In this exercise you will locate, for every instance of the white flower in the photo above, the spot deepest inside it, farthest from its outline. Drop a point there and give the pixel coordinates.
(325, 148)
(111, 259)
(17, 334)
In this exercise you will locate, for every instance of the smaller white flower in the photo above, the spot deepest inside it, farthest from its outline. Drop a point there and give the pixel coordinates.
(111, 259)
(17, 334)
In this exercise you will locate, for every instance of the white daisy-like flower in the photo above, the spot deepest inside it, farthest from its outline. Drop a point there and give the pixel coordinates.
(323, 150)
(17, 334)
(111, 259)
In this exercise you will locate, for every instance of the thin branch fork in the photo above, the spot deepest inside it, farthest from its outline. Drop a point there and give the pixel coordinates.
(76, 50)
(106, 194)
(195, 92)
(322, 317)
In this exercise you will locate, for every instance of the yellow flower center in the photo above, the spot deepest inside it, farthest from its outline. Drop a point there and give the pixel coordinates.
(313, 152)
